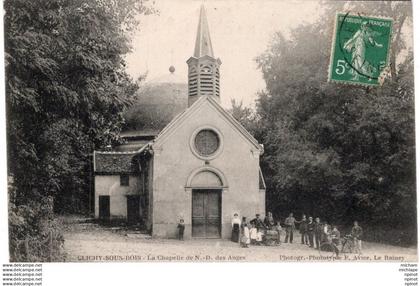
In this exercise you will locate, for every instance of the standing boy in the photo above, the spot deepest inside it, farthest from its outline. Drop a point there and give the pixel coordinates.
(181, 228)
(278, 228)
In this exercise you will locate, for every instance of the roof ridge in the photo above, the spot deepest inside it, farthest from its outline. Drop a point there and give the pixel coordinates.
(122, 152)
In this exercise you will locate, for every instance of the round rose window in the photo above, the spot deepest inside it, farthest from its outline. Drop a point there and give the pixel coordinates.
(206, 142)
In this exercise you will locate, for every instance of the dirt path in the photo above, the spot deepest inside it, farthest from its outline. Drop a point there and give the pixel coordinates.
(87, 242)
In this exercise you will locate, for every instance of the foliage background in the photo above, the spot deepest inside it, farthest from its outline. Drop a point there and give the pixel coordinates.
(340, 152)
(66, 89)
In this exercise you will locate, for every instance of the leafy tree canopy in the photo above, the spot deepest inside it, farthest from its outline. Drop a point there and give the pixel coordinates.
(66, 90)
(66, 84)
(341, 152)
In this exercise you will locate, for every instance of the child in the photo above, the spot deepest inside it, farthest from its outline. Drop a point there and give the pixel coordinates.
(278, 228)
(181, 228)
(356, 233)
(253, 234)
(245, 240)
(260, 233)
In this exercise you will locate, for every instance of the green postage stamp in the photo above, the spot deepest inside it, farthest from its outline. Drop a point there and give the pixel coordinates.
(360, 49)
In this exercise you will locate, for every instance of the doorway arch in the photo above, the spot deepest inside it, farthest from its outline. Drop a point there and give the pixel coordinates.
(206, 177)
(206, 185)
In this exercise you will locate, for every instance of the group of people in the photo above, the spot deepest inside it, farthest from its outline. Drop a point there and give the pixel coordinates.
(313, 232)
(253, 232)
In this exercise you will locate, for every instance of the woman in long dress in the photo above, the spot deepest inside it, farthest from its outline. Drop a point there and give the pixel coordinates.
(236, 226)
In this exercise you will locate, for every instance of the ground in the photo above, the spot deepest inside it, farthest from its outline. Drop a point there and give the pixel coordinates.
(90, 242)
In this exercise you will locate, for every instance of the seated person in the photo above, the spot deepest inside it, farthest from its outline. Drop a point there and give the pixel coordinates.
(335, 236)
(253, 234)
(331, 239)
(326, 234)
(245, 238)
(269, 221)
(260, 234)
(258, 223)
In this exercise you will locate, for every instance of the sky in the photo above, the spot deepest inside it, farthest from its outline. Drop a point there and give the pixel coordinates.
(240, 31)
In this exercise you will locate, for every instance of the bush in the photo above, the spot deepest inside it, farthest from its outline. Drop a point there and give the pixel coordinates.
(34, 234)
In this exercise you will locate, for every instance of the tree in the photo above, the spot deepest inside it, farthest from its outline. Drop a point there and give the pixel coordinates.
(338, 151)
(246, 116)
(66, 89)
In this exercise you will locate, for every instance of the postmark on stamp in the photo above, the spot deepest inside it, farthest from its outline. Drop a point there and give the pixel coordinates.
(360, 49)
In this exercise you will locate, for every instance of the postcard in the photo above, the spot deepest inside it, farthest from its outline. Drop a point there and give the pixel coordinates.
(210, 131)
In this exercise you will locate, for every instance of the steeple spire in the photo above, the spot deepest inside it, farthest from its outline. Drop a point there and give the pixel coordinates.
(203, 45)
(203, 67)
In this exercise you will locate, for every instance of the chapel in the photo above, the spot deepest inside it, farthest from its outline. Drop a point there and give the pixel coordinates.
(202, 167)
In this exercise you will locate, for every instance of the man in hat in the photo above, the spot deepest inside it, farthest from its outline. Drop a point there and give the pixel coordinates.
(319, 230)
(290, 227)
(311, 231)
(303, 229)
(259, 224)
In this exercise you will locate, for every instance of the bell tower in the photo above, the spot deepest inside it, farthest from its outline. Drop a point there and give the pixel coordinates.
(203, 67)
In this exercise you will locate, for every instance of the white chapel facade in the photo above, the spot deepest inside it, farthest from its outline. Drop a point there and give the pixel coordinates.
(202, 167)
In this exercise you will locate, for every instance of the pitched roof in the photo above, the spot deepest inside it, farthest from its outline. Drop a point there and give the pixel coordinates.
(190, 110)
(115, 162)
(203, 45)
(131, 145)
(142, 134)
(110, 162)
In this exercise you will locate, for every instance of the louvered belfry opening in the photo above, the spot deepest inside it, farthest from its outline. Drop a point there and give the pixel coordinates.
(192, 81)
(203, 67)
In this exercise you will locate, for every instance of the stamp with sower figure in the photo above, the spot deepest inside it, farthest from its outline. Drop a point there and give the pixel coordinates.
(360, 49)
